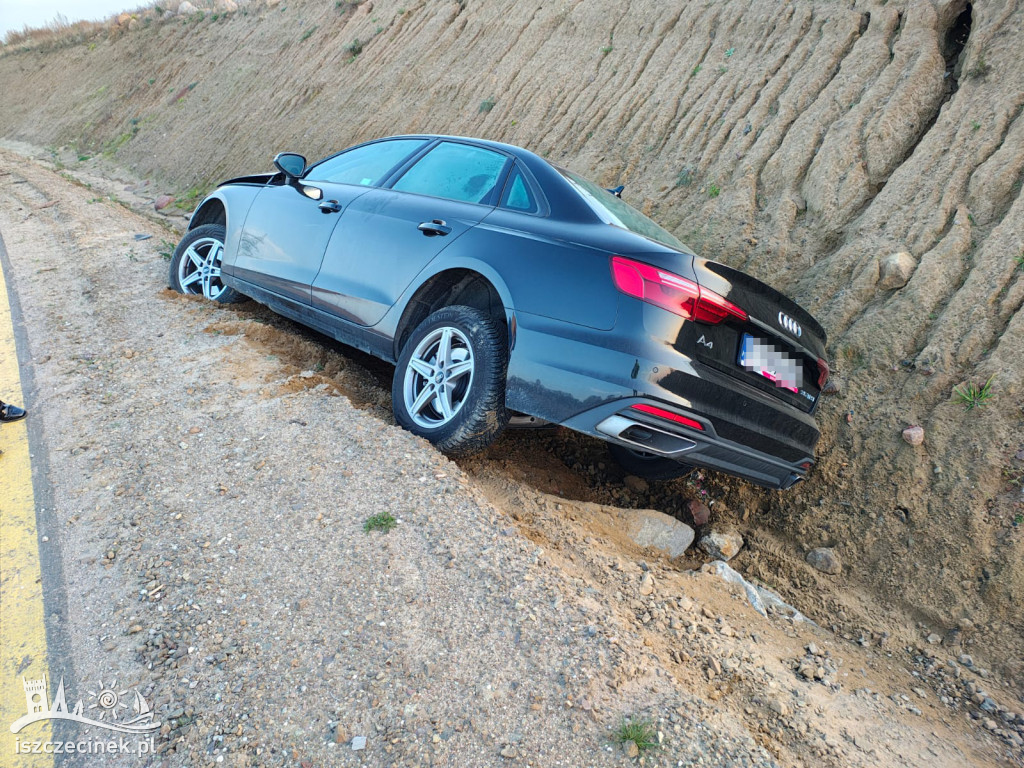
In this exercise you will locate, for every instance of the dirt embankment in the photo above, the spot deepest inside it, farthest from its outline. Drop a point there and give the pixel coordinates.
(804, 142)
(213, 470)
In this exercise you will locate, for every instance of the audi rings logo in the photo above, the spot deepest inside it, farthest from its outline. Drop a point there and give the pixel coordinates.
(790, 324)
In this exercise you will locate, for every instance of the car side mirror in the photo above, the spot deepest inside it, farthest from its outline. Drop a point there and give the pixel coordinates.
(290, 164)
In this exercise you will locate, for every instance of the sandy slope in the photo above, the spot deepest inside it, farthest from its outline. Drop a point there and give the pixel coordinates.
(211, 470)
(804, 142)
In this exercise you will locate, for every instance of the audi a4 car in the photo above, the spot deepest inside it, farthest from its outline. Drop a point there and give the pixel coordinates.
(503, 286)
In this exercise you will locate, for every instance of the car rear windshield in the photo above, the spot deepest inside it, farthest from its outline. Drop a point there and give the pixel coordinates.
(613, 210)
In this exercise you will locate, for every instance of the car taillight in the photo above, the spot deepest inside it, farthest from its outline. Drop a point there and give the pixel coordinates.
(670, 291)
(661, 413)
(823, 373)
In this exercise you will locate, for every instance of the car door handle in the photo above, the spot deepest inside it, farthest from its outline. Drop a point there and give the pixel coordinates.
(435, 227)
(329, 206)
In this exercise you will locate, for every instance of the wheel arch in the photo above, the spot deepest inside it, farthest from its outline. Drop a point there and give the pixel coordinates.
(211, 211)
(468, 285)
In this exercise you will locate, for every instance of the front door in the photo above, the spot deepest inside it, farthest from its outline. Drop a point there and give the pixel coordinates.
(389, 235)
(285, 234)
(288, 227)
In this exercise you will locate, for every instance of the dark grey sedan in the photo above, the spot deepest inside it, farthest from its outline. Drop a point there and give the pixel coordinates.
(501, 285)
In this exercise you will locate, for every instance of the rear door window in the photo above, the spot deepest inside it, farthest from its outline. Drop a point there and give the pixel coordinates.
(368, 165)
(457, 172)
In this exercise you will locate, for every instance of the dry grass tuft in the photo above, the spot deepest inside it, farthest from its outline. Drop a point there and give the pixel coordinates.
(61, 33)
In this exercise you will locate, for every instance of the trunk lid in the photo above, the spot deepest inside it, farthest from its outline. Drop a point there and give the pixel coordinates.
(777, 349)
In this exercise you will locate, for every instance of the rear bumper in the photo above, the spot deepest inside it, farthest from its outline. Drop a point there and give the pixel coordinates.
(588, 380)
(620, 422)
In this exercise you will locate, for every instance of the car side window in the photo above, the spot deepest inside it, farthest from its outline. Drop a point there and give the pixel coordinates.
(457, 172)
(367, 165)
(518, 196)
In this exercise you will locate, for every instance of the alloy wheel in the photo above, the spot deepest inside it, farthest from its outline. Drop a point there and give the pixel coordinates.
(199, 269)
(438, 377)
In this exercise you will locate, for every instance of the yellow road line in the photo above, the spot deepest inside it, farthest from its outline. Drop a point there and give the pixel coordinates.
(22, 631)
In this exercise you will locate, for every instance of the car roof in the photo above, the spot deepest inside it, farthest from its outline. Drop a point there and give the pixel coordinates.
(511, 148)
(531, 159)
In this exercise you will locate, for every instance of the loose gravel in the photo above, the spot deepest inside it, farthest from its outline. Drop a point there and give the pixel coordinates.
(212, 470)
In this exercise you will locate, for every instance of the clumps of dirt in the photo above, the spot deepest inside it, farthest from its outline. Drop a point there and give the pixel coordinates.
(299, 359)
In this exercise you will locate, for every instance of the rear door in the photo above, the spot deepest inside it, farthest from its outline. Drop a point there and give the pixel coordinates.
(388, 236)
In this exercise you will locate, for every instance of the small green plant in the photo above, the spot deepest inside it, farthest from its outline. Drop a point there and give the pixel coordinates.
(722, 69)
(166, 249)
(696, 70)
(307, 34)
(973, 396)
(713, 191)
(188, 200)
(980, 68)
(729, 53)
(975, 126)
(355, 47)
(111, 147)
(487, 104)
(382, 521)
(1019, 260)
(686, 176)
(1018, 519)
(606, 50)
(640, 732)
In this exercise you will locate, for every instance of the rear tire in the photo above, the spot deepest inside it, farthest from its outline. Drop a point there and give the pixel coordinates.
(449, 384)
(647, 465)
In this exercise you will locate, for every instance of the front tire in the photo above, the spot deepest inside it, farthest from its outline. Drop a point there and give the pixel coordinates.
(195, 265)
(449, 384)
(647, 465)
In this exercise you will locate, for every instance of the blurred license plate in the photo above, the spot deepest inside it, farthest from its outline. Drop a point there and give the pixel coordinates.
(772, 361)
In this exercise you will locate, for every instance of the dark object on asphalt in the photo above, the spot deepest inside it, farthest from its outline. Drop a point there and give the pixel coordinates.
(10, 412)
(504, 286)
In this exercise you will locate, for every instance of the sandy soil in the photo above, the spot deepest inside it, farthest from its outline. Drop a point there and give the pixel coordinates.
(804, 142)
(212, 468)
